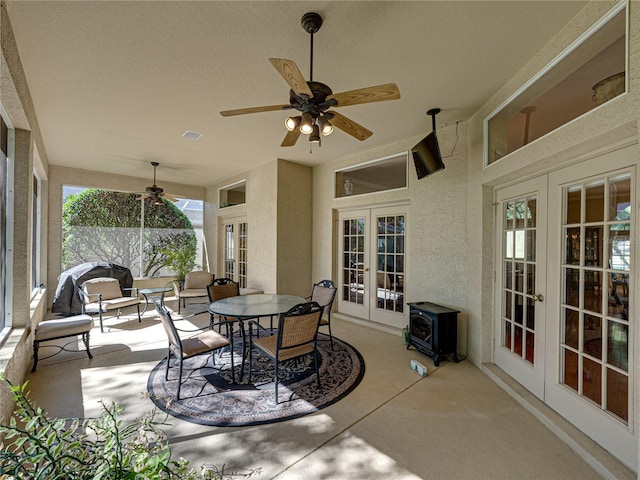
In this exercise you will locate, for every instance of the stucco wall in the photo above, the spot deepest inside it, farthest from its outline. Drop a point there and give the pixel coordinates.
(435, 242)
(294, 238)
(278, 213)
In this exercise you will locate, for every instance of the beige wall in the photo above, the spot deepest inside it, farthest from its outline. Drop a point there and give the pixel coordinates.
(294, 240)
(278, 213)
(436, 261)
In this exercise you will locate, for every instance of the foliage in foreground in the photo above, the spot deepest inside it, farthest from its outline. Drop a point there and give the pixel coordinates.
(35, 446)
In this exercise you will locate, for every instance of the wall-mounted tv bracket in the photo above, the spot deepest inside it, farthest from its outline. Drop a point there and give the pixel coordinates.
(433, 112)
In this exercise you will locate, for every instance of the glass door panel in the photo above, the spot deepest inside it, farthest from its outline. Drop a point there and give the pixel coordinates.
(520, 320)
(590, 377)
(353, 293)
(388, 299)
(594, 313)
(235, 242)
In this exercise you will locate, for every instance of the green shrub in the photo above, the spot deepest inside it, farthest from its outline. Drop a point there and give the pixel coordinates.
(35, 446)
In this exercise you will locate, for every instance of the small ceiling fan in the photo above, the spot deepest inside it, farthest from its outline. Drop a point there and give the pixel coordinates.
(314, 99)
(155, 194)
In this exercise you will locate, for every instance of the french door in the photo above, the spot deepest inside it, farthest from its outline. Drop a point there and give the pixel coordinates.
(372, 264)
(520, 283)
(234, 242)
(565, 296)
(592, 294)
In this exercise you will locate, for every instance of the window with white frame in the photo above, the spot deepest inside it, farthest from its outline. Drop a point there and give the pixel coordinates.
(233, 194)
(587, 74)
(35, 233)
(5, 226)
(379, 175)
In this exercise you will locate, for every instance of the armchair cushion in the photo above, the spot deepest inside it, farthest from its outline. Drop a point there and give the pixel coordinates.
(197, 280)
(109, 288)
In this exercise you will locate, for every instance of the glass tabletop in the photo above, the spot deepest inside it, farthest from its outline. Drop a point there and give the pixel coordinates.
(259, 305)
(146, 291)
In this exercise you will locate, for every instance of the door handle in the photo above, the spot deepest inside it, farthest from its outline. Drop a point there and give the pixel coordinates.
(538, 297)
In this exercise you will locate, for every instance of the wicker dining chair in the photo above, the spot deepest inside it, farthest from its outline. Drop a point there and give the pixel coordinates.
(204, 341)
(219, 289)
(297, 335)
(324, 292)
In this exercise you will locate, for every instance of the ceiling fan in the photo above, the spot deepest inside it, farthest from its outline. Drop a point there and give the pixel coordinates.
(155, 194)
(314, 99)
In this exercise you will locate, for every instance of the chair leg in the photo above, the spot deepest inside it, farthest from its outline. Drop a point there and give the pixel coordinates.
(178, 305)
(330, 334)
(179, 378)
(166, 374)
(36, 346)
(275, 378)
(85, 339)
(100, 316)
(244, 349)
(139, 318)
(315, 363)
(233, 368)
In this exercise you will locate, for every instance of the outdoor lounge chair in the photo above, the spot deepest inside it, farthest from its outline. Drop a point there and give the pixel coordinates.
(103, 294)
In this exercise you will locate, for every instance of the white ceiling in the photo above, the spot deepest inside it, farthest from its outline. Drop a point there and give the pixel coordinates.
(116, 84)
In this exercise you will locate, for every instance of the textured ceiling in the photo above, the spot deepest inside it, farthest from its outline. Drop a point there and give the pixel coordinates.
(116, 84)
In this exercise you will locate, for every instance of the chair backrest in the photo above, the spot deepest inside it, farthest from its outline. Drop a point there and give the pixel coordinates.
(324, 292)
(109, 288)
(167, 322)
(197, 279)
(299, 325)
(222, 288)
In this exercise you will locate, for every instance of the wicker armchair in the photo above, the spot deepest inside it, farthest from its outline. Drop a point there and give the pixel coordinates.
(297, 335)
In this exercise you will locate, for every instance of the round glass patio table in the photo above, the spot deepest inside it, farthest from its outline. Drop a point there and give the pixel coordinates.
(251, 306)
(245, 307)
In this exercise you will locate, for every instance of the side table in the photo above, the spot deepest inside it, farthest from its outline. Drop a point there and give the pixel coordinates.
(158, 291)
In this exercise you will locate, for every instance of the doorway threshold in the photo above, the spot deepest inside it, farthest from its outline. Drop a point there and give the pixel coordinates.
(597, 457)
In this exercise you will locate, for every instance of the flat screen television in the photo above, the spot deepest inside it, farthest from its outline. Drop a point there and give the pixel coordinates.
(426, 156)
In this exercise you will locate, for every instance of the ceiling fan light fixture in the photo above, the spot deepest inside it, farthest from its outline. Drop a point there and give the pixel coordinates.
(315, 134)
(292, 123)
(306, 123)
(325, 126)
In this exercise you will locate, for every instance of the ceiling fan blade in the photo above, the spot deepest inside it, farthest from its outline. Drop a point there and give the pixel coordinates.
(379, 93)
(291, 138)
(291, 74)
(244, 111)
(170, 197)
(349, 126)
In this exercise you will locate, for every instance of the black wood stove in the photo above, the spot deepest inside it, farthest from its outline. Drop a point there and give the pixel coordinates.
(433, 330)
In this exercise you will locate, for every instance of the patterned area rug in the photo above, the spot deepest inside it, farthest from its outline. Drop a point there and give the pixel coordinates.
(209, 396)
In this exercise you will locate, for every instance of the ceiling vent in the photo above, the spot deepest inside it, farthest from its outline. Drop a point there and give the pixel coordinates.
(191, 135)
